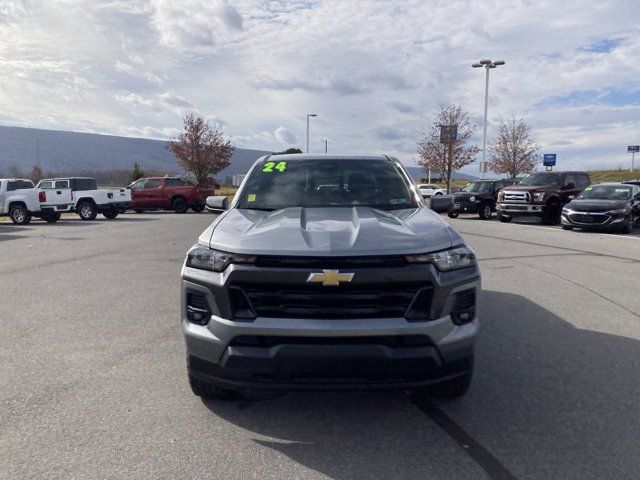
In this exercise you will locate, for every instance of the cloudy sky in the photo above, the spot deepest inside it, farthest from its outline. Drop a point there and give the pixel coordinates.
(374, 71)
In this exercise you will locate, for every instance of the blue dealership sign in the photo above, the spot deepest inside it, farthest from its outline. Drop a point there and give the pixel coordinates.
(633, 148)
(549, 159)
(448, 133)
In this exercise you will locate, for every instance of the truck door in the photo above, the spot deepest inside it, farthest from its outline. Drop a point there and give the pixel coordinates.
(154, 193)
(137, 192)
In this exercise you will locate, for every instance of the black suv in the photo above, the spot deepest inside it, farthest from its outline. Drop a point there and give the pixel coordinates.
(478, 197)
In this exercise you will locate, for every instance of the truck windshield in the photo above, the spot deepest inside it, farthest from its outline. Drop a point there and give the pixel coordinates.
(278, 184)
(482, 187)
(605, 192)
(541, 179)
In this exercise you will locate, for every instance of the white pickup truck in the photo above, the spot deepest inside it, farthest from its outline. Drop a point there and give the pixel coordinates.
(21, 201)
(87, 199)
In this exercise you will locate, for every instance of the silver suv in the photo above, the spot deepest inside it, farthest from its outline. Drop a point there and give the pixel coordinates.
(329, 272)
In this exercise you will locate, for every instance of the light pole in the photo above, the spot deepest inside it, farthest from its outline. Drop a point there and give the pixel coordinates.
(487, 64)
(308, 116)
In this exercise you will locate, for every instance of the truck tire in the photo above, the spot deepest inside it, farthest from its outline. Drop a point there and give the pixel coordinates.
(567, 227)
(485, 211)
(438, 193)
(87, 211)
(179, 205)
(51, 217)
(453, 214)
(139, 210)
(551, 215)
(110, 215)
(503, 218)
(198, 208)
(20, 215)
(207, 391)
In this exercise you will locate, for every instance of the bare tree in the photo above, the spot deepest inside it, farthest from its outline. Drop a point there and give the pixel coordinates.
(36, 174)
(201, 148)
(513, 151)
(442, 158)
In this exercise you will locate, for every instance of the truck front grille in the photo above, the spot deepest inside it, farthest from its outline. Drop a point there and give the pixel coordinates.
(342, 302)
(516, 197)
(387, 261)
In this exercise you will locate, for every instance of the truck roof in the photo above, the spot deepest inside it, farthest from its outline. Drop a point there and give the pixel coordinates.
(290, 157)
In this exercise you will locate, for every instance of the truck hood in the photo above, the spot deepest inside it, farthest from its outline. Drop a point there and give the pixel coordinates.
(530, 188)
(330, 231)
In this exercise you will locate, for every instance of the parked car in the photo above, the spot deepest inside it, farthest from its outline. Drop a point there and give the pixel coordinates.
(294, 287)
(479, 197)
(21, 201)
(169, 193)
(611, 206)
(632, 182)
(541, 194)
(87, 199)
(429, 189)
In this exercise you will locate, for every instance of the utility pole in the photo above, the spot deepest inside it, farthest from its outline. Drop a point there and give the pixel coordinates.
(308, 116)
(487, 64)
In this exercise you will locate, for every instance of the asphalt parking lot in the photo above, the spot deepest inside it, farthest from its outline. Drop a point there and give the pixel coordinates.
(93, 381)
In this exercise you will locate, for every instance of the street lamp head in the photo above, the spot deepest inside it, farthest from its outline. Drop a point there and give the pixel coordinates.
(476, 65)
(484, 62)
(499, 62)
(491, 65)
(312, 114)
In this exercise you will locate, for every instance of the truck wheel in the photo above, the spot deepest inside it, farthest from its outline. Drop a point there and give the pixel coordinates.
(551, 214)
(20, 215)
(567, 227)
(453, 214)
(179, 205)
(51, 217)
(210, 392)
(139, 210)
(438, 193)
(87, 211)
(485, 211)
(198, 208)
(503, 218)
(110, 214)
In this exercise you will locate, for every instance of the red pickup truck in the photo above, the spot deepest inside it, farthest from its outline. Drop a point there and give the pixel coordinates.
(169, 193)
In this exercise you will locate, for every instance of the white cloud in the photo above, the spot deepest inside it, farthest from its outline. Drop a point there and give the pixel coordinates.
(284, 135)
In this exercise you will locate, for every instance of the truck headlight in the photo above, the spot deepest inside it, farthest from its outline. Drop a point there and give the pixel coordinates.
(214, 260)
(472, 198)
(538, 196)
(454, 258)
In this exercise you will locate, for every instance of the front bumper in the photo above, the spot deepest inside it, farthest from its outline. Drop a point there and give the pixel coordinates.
(520, 209)
(312, 353)
(57, 208)
(592, 221)
(115, 206)
(465, 207)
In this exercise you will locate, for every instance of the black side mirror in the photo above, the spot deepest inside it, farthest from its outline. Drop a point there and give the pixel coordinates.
(569, 186)
(217, 203)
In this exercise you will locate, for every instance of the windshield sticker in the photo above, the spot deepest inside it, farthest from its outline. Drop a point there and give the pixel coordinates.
(270, 166)
(251, 197)
(396, 201)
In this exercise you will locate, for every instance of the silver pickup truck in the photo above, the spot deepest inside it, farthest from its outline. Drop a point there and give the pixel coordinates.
(329, 272)
(21, 201)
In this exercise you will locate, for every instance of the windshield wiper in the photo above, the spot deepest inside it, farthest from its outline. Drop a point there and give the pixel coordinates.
(262, 209)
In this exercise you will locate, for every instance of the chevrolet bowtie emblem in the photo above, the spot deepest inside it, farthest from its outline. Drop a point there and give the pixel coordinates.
(330, 278)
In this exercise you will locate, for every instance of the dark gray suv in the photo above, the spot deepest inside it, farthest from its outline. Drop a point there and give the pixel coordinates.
(329, 272)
